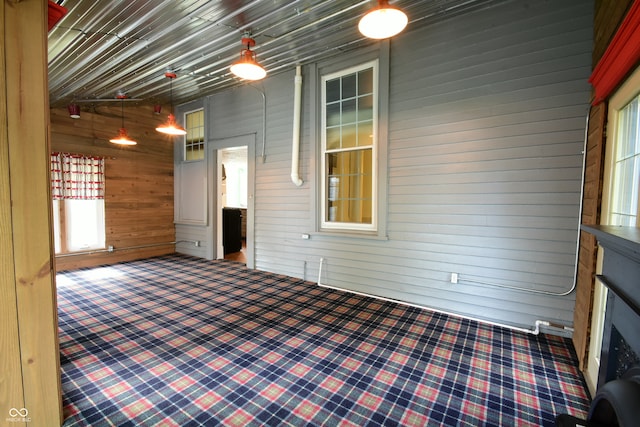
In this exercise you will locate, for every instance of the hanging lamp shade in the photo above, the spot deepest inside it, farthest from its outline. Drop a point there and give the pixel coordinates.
(171, 127)
(383, 21)
(74, 111)
(123, 137)
(247, 67)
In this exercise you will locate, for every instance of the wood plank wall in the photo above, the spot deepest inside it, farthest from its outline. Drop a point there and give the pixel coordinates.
(607, 18)
(29, 357)
(139, 179)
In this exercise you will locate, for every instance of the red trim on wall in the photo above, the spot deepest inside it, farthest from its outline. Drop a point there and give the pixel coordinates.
(620, 57)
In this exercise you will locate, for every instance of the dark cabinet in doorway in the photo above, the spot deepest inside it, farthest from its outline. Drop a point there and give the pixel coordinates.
(231, 230)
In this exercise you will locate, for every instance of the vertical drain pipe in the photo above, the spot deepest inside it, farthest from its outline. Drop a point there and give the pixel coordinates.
(295, 148)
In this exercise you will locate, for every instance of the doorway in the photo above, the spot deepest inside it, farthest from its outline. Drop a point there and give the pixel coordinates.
(235, 163)
(232, 163)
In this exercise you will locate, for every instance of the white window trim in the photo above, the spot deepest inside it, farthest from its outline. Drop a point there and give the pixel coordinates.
(204, 135)
(625, 94)
(348, 226)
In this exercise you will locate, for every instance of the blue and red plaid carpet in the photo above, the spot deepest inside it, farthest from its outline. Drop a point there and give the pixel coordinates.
(180, 341)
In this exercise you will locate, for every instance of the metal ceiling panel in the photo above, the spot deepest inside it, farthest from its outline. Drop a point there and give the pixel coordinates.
(102, 47)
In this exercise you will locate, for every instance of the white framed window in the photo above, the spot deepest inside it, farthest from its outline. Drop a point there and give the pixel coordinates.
(626, 167)
(79, 225)
(349, 144)
(194, 139)
(77, 190)
(622, 165)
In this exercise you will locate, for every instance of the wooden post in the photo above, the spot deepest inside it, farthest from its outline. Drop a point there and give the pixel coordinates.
(29, 356)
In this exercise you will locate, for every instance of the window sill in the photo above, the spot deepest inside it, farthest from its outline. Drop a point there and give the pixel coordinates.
(350, 234)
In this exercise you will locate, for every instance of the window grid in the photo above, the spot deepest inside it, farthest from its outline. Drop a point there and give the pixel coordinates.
(194, 139)
(349, 117)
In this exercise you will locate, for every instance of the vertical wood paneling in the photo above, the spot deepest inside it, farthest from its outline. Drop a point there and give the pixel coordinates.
(592, 199)
(24, 56)
(486, 127)
(138, 179)
(11, 390)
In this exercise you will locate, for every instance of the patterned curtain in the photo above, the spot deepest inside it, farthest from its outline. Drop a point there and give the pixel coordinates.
(75, 176)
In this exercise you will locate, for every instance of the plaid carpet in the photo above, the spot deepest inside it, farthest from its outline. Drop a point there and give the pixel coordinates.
(180, 341)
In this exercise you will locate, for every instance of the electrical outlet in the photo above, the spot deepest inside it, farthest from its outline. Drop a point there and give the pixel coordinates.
(306, 236)
(454, 278)
(197, 243)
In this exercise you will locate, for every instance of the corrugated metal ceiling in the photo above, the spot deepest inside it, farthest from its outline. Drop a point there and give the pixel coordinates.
(102, 47)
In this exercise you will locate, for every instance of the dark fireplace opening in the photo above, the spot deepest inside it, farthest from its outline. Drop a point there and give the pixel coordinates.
(622, 355)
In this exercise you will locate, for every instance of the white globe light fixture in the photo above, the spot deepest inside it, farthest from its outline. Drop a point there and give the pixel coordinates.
(383, 21)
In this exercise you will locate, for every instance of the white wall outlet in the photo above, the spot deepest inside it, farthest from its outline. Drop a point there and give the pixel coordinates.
(454, 278)
(306, 236)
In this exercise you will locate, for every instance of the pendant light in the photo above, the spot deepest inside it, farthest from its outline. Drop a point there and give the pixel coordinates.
(171, 127)
(123, 137)
(247, 67)
(383, 21)
(74, 110)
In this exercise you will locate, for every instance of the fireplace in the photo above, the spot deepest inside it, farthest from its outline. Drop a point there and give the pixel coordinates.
(621, 275)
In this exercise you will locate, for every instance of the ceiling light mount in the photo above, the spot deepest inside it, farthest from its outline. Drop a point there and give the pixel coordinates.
(171, 127)
(247, 66)
(383, 21)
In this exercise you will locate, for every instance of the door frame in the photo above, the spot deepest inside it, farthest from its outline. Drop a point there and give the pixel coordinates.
(248, 140)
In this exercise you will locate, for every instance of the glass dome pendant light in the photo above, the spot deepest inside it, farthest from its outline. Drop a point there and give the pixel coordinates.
(247, 67)
(171, 127)
(123, 137)
(383, 21)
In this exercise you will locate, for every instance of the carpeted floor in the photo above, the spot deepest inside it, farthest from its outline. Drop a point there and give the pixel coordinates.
(180, 341)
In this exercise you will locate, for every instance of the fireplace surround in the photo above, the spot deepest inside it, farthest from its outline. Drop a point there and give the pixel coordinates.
(621, 275)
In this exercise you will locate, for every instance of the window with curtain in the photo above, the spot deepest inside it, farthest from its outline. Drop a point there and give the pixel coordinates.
(349, 143)
(77, 190)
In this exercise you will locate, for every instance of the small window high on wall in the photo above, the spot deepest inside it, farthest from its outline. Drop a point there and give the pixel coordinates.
(194, 139)
(77, 189)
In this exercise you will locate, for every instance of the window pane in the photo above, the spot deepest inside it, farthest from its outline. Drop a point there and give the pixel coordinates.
(350, 186)
(365, 108)
(349, 86)
(333, 138)
(194, 139)
(365, 134)
(365, 81)
(333, 114)
(57, 232)
(349, 111)
(349, 136)
(84, 224)
(333, 90)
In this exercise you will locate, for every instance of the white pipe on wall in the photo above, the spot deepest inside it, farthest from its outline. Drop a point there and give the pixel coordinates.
(535, 331)
(295, 148)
